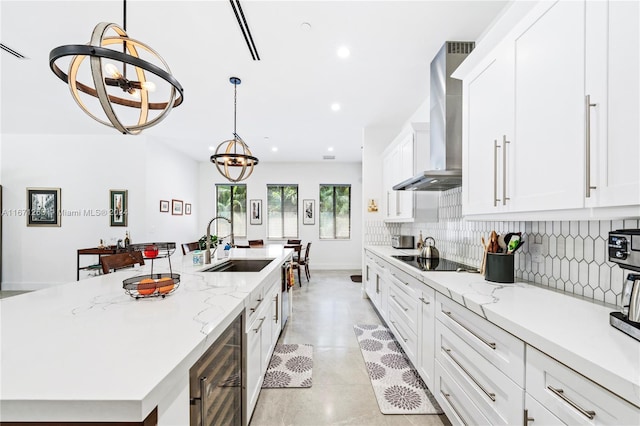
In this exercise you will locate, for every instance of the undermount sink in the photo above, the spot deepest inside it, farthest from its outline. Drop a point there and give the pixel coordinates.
(240, 265)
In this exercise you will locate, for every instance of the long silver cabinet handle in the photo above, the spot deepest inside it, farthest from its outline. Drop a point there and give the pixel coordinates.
(491, 395)
(403, 308)
(492, 345)
(504, 169)
(203, 395)
(425, 301)
(495, 172)
(255, 308)
(396, 277)
(590, 414)
(398, 330)
(587, 142)
(260, 326)
(453, 407)
(276, 319)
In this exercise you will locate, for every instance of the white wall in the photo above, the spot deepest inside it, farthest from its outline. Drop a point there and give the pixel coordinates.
(86, 167)
(324, 254)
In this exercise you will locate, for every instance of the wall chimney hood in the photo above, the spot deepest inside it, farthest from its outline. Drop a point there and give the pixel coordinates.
(446, 123)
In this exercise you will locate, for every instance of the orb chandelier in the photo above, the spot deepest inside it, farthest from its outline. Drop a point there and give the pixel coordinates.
(108, 89)
(233, 158)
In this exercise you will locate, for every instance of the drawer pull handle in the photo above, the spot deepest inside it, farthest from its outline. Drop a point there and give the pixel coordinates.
(483, 340)
(277, 316)
(560, 394)
(397, 278)
(256, 307)
(453, 407)
(491, 395)
(402, 307)
(527, 419)
(425, 301)
(260, 326)
(398, 330)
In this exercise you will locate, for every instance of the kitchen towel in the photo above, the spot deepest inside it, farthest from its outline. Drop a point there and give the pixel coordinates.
(291, 366)
(396, 384)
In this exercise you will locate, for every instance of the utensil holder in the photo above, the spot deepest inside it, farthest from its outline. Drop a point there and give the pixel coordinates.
(499, 268)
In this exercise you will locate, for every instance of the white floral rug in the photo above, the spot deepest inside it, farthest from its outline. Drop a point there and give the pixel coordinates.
(291, 366)
(396, 384)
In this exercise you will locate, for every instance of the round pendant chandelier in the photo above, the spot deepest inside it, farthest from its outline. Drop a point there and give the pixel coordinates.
(108, 89)
(233, 158)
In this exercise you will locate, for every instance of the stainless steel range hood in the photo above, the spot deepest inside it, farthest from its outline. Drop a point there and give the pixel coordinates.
(446, 123)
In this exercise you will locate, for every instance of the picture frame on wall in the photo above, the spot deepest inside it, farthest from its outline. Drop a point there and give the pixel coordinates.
(119, 205)
(43, 206)
(164, 206)
(255, 212)
(187, 208)
(308, 212)
(176, 207)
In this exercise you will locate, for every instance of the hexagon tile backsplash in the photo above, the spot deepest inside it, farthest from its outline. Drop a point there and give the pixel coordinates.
(573, 252)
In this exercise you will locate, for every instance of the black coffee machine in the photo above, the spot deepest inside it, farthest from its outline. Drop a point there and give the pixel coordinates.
(624, 249)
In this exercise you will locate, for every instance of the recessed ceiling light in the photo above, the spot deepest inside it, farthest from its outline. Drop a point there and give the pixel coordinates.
(343, 52)
(330, 149)
(274, 149)
(305, 26)
(335, 107)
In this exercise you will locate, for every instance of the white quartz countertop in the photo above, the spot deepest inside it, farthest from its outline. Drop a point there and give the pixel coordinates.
(574, 331)
(87, 351)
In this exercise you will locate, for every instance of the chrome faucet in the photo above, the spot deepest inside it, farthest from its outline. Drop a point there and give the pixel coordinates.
(207, 253)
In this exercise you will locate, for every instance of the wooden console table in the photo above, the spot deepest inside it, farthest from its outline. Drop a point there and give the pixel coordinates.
(94, 251)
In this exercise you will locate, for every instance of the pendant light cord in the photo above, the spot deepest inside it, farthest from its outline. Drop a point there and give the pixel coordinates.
(124, 42)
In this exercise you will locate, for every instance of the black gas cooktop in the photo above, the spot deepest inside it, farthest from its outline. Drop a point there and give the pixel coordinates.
(425, 264)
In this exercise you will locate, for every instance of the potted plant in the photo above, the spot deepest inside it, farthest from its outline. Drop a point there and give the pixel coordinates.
(203, 242)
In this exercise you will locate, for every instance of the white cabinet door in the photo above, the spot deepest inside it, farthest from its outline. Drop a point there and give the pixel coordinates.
(536, 414)
(253, 369)
(488, 118)
(549, 145)
(426, 336)
(405, 171)
(612, 83)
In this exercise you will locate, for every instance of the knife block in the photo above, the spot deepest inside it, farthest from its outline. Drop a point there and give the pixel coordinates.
(499, 268)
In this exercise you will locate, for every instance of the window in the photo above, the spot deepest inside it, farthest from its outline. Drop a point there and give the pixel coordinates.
(335, 212)
(228, 197)
(282, 211)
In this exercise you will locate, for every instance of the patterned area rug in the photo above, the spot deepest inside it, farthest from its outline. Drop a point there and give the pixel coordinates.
(291, 366)
(396, 384)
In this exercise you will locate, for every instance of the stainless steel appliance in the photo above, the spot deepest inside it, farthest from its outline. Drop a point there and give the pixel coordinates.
(215, 380)
(624, 249)
(434, 264)
(402, 241)
(446, 122)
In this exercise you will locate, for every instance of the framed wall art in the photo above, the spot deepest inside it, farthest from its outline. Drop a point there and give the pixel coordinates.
(164, 206)
(255, 211)
(176, 207)
(308, 212)
(43, 206)
(119, 206)
(187, 208)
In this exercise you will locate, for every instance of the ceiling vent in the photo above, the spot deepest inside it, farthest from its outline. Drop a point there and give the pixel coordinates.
(328, 157)
(11, 51)
(244, 27)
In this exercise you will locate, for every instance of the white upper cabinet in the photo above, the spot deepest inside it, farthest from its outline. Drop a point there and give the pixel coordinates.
(398, 165)
(612, 84)
(551, 115)
(488, 115)
(548, 144)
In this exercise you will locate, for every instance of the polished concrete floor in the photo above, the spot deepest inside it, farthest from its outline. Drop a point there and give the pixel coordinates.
(324, 312)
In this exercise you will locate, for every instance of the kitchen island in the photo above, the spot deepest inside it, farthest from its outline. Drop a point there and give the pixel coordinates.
(88, 352)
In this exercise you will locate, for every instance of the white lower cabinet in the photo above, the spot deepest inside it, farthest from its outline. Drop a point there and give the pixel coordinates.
(571, 397)
(426, 335)
(456, 404)
(261, 334)
(536, 414)
(485, 363)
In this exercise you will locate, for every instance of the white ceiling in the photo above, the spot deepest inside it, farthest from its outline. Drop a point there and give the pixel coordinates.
(284, 99)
